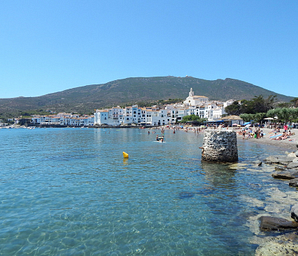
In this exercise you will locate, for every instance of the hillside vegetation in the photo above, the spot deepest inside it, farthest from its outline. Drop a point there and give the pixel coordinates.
(135, 91)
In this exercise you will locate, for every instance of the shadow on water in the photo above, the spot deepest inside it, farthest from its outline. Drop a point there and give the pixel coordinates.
(218, 175)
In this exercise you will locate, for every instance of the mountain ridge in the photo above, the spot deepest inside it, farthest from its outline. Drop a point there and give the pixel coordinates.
(85, 99)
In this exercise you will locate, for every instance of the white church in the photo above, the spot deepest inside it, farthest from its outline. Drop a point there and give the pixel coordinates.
(193, 100)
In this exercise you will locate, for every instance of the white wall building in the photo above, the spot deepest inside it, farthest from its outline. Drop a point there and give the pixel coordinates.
(101, 117)
(193, 105)
(193, 100)
(132, 115)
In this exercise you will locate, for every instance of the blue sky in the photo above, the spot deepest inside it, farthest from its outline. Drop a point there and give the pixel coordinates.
(53, 45)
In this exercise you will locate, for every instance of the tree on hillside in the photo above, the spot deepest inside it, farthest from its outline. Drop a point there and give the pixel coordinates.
(257, 105)
(295, 102)
(271, 113)
(258, 117)
(293, 114)
(233, 109)
(284, 114)
(284, 104)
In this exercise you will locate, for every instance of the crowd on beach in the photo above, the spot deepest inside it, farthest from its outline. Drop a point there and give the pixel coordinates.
(248, 133)
(265, 134)
(275, 133)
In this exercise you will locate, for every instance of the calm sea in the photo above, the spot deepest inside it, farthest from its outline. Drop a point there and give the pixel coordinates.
(70, 192)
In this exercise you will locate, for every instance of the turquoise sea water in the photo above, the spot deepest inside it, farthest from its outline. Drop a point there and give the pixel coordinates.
(70, 192)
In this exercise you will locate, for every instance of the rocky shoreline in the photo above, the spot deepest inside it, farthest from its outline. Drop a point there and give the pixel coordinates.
(275, 227)
(281, 232)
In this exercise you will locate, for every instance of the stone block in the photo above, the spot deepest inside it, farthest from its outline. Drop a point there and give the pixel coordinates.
(276, 224)
(220, 146)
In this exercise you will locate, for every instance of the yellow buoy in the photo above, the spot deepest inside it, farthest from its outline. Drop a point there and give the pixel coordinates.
(125, 155)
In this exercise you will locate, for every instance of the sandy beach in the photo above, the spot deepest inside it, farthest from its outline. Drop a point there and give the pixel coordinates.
(289, 143)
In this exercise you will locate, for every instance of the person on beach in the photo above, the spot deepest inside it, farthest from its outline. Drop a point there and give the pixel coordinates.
(256, 134)
(284, 136)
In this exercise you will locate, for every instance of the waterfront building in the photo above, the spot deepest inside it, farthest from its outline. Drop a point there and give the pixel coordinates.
(101, 117)
(133, 115)
(63, 119)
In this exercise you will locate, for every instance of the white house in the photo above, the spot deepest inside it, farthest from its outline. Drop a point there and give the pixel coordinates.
(101, 117)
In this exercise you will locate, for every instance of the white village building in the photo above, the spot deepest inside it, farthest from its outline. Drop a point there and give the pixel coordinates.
(116, 116)
(193, 100)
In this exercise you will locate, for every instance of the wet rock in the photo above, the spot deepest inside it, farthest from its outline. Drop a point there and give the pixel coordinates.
(294, 212)
(293, 182)
(287, 175)
(280, 168)
(292, 165)
(276, 224)
(271, 160)
(285, 163)
(278, 160)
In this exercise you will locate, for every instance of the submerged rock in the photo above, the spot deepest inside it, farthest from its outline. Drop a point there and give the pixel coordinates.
(293, 182)
(278, 160)
(282, 245)
(276, 224)
(185, 194)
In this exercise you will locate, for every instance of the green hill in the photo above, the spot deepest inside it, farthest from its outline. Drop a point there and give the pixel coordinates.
(133, 90)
